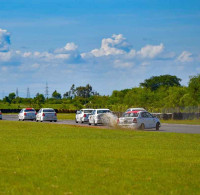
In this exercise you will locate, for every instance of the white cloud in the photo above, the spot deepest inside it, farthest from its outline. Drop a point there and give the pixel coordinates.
(71, 47)
(36, 65)
(185, 56)
(145, 63)
(68, 48)
(116, 45)
(4, 68)
(115, 58)
(122, 64)
(4, 40)
(151, 51)
(26, 54)
(5, 56)
(62, 56)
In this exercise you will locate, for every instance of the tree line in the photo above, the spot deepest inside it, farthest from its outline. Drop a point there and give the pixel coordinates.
(155, 94)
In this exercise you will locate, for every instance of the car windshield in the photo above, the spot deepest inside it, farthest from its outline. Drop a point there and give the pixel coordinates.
(130, 114)
(102, 111)
(48, 110)
(87, 111)
(29, 110)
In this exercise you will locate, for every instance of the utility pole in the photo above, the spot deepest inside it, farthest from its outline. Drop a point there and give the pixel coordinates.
(28, 93)
(17, 93)
(46, 91)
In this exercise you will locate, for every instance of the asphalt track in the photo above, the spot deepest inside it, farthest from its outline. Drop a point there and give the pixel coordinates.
(176, 128)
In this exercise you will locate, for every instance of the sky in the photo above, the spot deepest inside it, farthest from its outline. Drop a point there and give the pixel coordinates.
(111, 45)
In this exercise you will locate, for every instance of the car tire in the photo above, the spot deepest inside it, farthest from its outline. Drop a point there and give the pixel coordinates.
(36, 120)
(76, 121)
(157, 126)
(142, 127)
(89, 123)
(55, 121)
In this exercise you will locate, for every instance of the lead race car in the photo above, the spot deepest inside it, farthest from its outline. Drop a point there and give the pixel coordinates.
(102, 116)
(138, 119)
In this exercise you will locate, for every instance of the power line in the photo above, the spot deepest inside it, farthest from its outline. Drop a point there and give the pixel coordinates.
(17, 93)
(28, 93)
(46, 91)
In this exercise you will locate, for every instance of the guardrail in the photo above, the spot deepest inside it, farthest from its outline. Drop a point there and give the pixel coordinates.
(162, 116)
(18, 110)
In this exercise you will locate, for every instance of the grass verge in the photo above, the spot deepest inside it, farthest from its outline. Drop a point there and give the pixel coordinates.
(42, 158)
(66, 116)
(186, 122)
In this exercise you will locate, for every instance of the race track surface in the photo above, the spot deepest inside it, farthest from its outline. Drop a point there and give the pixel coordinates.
(176, 128)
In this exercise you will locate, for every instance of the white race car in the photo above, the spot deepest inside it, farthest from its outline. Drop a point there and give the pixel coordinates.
(102, 116)
(46, 114)
(135, 109)
(83, 115)
(139, 120)
(27, 114)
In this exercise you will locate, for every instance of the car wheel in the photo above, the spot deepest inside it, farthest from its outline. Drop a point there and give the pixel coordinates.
(22, 119)
(89, 123)
(157, 126)
(55, 121)
(36, 120)
(76, 121)
(142, 127)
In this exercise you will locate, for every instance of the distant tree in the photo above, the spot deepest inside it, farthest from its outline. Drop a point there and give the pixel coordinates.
(72, 91)
(174, 97)
(39, 99)
(6, 100)
(163, 80)
(194, 88)
(88, 91)
(66, 95)
(11, 96)
(56, 95)
(84, 92)
(139, 97)
(118, 96)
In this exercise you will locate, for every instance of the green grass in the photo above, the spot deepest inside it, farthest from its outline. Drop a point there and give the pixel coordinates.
(42, 158)
(66, 116)
(186, 122)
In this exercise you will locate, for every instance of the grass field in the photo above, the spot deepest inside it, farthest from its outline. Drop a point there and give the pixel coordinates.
(42, 158)
(66, 116)
(186, 122)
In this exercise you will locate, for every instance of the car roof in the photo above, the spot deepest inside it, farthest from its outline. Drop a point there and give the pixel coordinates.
(47, 108)
(87, 109)
(102, 109)
(135, 111)
(29, 108)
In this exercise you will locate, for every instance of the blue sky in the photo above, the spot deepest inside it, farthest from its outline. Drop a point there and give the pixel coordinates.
(110, 44)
